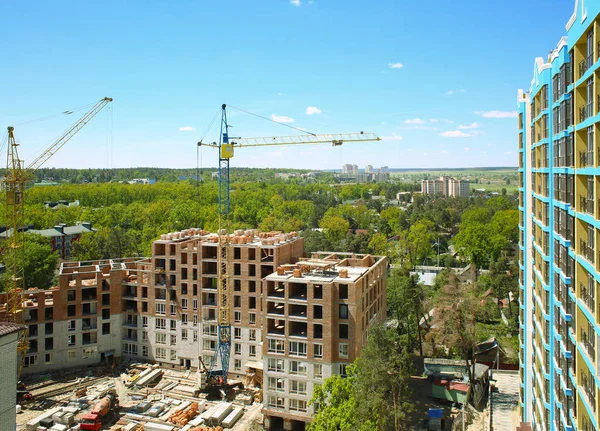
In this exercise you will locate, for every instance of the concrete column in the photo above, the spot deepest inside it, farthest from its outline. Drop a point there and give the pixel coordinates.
(287, 424)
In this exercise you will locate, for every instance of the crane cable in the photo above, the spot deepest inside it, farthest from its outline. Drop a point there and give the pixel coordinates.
(67, 112)
(273, 121)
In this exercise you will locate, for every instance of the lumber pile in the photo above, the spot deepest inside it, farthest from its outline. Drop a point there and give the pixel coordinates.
(201, 428)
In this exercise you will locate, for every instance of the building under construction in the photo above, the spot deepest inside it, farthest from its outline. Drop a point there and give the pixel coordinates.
(298, 320)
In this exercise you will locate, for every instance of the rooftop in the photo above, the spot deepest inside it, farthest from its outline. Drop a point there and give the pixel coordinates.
(7, 328)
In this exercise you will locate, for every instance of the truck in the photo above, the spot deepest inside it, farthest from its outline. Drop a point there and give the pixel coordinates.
(103, 412)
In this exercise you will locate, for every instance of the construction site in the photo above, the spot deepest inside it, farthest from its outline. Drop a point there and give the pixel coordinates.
(152, 324)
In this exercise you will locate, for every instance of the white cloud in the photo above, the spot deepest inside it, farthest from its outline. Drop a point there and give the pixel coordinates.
(281, 118)
(468, 126)
(187, 129)
(281, 94)
(395, 65)
(392, 137)
(433, 120)
(467, 149)
(454, 134)
(312, 110)
(498, 114)
(414, 121)
(453, 92)
(296, 3)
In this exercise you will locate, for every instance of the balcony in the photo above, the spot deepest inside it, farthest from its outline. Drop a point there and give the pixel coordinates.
(586, 251)
(586, 205)
(586, 111)
(585, 64)
(586, 158)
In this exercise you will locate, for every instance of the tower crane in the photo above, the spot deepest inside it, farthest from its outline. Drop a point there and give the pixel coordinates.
(225, 147)
(16, 178)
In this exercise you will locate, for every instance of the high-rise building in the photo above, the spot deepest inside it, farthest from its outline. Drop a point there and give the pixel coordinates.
(559, 263)
(447, 187)
(369, 169)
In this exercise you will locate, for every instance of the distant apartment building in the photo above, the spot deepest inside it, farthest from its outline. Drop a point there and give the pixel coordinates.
(296, 319)
(62, 236)
(447, 187)
(559, 260)
(352, 173)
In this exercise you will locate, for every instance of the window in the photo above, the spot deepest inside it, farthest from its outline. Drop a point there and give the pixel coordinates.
(237, 333)
(318, 371)
(184, 334)
(30, 361)
(297, 387)
(184, 319)
(297, 405)
(252, 334)
(209, 344)
(276, 402)
(297, 348)
(298, 368)
(237, 348)
(195, 335)
(318, 350)
(237, 316)
(173, 355)
(195, 304)
(173, 310)
(71, 326)
(195, 320)
(145, 351)
(276, 384)
(276, 365)
(343, 331)
(237, 301)
(145, 321)
(161, 338)
(160, 323)
(71, 355)
(342, 369)
(252, 318)
(173, 325)
(144, 336)
(71, 340)
(343, 350)
(343, 311)
(275, 346)
(161, 353)
(343, 289)
(237, 364)
(184, 303)
(48, 358)
(161, 308)
(71, 310)
(252, 350)
(92, 352)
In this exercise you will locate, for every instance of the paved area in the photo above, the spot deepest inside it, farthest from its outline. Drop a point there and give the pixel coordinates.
(505, 401)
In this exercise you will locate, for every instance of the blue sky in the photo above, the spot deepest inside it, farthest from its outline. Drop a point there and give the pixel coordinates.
(430, 76)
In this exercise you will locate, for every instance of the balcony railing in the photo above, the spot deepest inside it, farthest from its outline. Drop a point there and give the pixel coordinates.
(585, 64)
(587, 298)
(586, 205)
(586, 158)
(586, 111)
(586, 251)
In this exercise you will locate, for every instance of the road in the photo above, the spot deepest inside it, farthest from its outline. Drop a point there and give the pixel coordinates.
(505, 401)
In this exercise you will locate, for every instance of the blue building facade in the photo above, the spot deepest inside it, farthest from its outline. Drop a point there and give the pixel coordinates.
(559, 259)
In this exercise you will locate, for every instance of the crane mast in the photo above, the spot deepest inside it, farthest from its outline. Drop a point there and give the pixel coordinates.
(225, 147)
(15, 180)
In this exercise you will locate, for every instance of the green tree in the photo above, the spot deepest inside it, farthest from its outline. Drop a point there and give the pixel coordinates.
(335, 227)
(379, 245)
(40, 262)
(336, 402)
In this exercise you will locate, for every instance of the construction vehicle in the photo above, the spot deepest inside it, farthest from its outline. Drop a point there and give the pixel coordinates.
(225, 147)
(14, 182)
(102, 413)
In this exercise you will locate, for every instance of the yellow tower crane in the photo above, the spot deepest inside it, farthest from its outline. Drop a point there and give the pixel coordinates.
(16, 178)
(225, 147)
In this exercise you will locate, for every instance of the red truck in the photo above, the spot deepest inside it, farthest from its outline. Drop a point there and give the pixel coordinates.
(103, 412)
